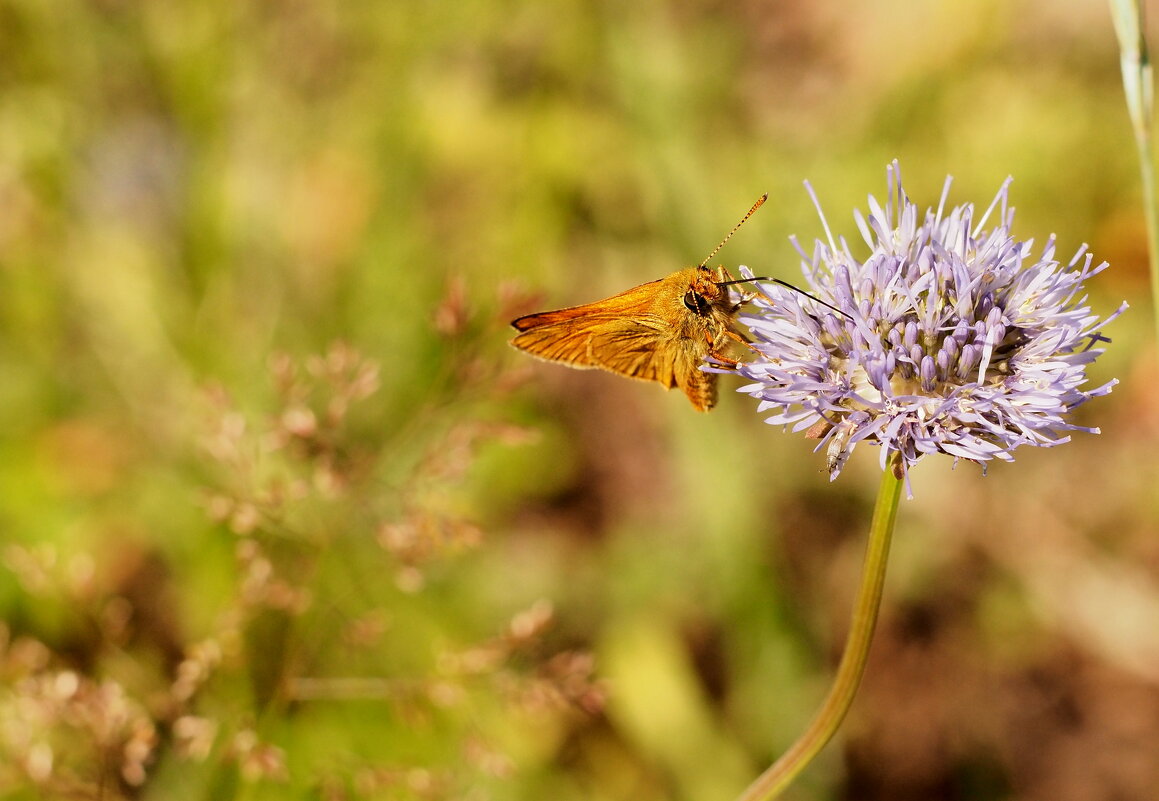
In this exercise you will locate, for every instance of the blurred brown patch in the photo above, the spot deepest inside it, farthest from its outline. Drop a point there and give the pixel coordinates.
(705, 643)
(145, 583)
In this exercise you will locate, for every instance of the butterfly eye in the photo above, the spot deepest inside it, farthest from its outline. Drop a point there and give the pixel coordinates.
(696, 303)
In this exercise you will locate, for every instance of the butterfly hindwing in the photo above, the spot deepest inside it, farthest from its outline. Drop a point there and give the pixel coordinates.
(610, 343)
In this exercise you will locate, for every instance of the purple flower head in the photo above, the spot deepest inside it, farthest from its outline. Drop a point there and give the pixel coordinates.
(951, 338)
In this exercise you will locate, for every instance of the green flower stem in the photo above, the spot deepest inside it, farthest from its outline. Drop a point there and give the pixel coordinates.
(1135, 62)
(770, 783)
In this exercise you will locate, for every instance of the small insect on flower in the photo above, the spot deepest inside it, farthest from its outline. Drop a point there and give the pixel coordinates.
(952, 338)
(660, 331)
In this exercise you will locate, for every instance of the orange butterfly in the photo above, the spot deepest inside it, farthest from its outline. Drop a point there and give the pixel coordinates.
(660, 331)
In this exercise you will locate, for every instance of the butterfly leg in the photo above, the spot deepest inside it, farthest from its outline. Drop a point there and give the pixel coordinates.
(733, 335)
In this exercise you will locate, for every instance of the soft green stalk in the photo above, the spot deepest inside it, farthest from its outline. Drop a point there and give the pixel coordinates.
(770, 783)
(1135, 63)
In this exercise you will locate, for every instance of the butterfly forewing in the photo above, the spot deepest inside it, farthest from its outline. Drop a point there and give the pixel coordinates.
(632, 302)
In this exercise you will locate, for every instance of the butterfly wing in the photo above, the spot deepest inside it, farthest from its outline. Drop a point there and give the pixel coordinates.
(641, 348)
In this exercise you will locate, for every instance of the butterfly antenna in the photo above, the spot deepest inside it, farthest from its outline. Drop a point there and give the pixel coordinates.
(786, 284)
(760, 202)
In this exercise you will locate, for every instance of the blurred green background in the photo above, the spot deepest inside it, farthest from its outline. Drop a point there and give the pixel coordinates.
(284, 517)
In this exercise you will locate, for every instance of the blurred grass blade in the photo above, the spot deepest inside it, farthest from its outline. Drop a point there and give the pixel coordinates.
(1135, 62)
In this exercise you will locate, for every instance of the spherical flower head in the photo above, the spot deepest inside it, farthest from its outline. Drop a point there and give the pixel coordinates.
(948, 338)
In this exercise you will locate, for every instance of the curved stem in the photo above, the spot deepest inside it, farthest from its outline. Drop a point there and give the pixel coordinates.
(770, 783)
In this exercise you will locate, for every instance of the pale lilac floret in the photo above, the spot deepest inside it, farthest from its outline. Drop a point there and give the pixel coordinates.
(952, 337)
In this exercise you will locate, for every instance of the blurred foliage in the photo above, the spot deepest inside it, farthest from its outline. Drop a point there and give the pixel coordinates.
(283, 517)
